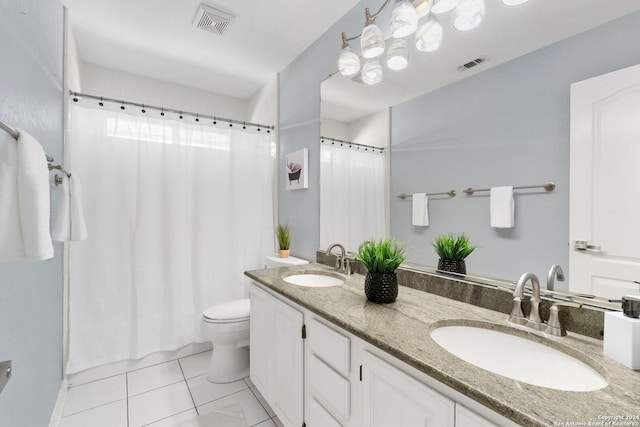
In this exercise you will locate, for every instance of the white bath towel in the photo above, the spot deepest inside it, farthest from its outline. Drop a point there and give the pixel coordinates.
(70, 223)
(24, 200)
(502, 207)
(420, 209)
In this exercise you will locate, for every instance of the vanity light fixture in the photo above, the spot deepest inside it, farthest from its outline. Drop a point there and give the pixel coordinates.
(404, 19)
(468, 14)
(444, 6)
(372, 72)
(371, 39)
(348, 62)
(407, 17)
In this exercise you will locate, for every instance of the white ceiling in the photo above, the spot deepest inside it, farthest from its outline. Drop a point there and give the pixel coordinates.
(505, 33)
(157, 38)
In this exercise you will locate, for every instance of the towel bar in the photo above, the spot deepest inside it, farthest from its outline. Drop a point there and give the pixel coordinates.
(548, 186)
(451, 193)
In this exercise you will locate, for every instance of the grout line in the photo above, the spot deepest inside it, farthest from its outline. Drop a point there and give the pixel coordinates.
(126, 379)
(188, 388)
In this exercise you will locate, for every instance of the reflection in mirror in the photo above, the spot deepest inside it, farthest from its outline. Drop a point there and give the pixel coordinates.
(504, 122)
(353, 176)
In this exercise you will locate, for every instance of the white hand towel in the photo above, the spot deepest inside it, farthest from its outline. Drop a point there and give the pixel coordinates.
(70, 224)
(420, 209)
(502, 207)
(24, 216)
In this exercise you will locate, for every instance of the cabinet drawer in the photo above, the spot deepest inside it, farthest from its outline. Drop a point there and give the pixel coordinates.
(330, 388)
(319, 417)
(330, 346)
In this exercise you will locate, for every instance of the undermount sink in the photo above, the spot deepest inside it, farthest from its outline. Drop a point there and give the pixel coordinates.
(518, 358)
(314, 279)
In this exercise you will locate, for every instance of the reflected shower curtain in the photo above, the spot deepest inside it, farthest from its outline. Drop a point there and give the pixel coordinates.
(352, 194)
(175, 214)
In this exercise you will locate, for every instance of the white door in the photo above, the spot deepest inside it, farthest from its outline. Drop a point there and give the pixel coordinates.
(605, 184)
(392, 398)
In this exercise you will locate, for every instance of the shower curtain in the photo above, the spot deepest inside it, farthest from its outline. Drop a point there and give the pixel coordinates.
(176, 211)
(352, 194)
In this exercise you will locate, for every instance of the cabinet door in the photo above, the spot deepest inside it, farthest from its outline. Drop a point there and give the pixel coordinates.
(467, 418)
(261, 348)
(287, 387)
(392, 398)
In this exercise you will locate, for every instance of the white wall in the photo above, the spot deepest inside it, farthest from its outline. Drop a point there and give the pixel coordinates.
(116, 84)
(31, 98)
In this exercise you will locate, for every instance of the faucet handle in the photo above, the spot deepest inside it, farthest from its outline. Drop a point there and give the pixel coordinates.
(554, 326)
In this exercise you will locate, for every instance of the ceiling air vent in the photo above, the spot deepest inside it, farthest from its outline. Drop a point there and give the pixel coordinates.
(471, 64)
(213, 20)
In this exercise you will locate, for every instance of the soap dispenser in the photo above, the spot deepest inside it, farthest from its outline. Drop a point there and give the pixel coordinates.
(622, 333)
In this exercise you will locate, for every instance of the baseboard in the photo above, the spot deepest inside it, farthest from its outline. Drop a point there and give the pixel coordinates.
(56, 415)
(124, 366)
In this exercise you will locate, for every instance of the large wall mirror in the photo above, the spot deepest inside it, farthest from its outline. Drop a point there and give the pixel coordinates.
(505, 122)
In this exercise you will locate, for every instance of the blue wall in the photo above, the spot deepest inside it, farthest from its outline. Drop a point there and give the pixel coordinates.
(508, 125)
(31, 97)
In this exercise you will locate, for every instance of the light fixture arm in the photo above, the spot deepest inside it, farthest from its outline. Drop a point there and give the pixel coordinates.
(346, 40)
(369, 19)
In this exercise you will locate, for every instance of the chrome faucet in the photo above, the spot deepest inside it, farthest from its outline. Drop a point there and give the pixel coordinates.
(517, 316)
(555, 272)
(342, 262)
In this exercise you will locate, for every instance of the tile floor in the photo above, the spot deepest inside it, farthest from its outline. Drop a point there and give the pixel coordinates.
(171, 394)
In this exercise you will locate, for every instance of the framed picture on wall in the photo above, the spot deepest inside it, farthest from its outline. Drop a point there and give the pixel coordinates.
(297, 173)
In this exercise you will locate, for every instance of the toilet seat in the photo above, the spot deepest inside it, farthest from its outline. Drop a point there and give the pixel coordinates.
(228, 312)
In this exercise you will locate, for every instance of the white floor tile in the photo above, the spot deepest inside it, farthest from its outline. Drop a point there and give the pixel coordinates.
(253, 412)
(230, 416)
(267, 423)
(175, 420)
(160, 403)
(94, 394)
(153, 377)
(204, 391)
(263, 402)
(110, 415)
(195, 365)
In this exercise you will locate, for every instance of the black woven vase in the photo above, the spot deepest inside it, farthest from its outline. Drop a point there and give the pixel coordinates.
(453, 266)
(381, 287)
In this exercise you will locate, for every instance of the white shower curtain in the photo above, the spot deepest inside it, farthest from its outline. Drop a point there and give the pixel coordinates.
(175, 214)
(352, 194)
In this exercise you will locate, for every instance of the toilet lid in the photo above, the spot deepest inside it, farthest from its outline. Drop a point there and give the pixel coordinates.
(231, 310)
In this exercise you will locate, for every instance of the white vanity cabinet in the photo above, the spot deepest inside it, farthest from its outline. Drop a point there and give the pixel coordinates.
(331, 378)
(392, 398)
(276, 355)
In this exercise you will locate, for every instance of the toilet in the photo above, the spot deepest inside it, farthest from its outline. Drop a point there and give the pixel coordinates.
(226, 325)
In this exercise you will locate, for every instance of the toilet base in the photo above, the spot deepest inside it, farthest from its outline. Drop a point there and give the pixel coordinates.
(228, 363)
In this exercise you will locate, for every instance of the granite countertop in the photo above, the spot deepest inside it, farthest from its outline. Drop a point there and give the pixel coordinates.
(402, 330)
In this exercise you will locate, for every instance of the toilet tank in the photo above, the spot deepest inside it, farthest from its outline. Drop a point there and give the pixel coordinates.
(273, 261)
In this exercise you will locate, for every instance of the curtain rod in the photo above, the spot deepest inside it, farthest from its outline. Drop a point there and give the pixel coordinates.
(11, 131)
(366, 147)
(170, 110)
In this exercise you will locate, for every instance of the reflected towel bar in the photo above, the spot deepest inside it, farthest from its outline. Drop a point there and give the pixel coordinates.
(451, 193)
(548, 186)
